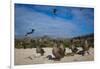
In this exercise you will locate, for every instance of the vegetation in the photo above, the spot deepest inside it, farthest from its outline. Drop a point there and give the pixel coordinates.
(46, 41)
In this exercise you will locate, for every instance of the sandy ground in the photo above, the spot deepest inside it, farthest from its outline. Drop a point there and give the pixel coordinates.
(29, 56)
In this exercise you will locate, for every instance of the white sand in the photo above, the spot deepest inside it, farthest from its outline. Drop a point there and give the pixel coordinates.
(29, 56)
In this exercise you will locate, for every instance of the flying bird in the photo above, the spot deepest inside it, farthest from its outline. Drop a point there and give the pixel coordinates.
(28, 33)
(54, 11)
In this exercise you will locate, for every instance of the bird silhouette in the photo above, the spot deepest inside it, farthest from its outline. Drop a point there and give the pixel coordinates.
(28, 33)
(54, 11)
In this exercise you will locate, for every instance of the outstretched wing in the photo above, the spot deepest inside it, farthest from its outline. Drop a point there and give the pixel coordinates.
(30, 32)
(33, 30)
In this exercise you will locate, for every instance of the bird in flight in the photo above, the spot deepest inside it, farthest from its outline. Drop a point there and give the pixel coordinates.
(28, 33)
(54, 11)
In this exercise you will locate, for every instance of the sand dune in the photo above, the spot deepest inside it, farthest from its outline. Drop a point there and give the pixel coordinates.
(29, 56)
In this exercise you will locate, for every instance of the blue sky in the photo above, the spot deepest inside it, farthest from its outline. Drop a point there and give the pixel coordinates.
(66, 22)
